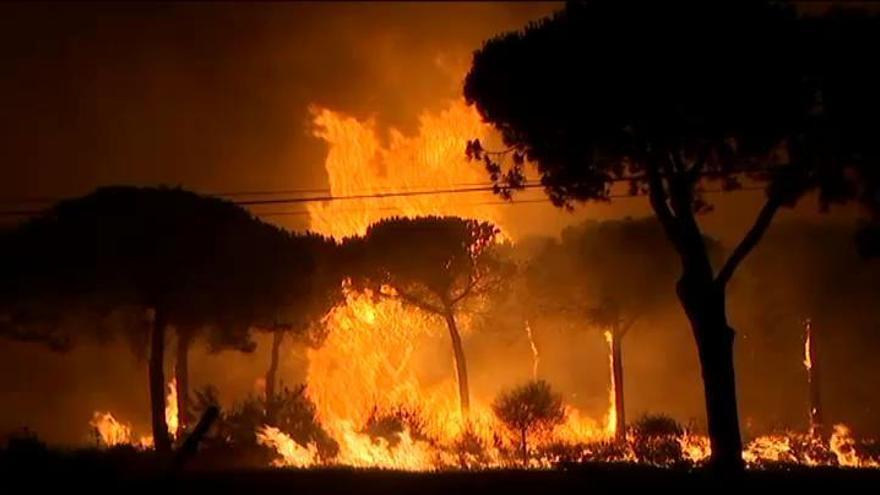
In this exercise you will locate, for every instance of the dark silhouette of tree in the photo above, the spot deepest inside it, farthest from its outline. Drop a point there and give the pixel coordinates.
(666, 97)
(436, 264)
(528, 409)
(185, 260)
(609, 274)
(302, 283)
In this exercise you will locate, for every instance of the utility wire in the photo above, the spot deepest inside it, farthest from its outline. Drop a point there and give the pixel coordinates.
(510, 202)
(378, 195)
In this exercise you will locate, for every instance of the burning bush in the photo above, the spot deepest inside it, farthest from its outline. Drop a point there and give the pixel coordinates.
(389, 425)
(656, 439)
(470, 449)
(294, 415)
(529, 409)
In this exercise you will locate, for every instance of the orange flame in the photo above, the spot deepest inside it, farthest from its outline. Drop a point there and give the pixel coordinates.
(172, 418)
(536, 358)
(359, 164)
(611, 416)
(808, 344)
(110, 431)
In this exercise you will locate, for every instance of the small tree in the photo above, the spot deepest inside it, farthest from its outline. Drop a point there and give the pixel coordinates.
(529, 409)
(436, 264)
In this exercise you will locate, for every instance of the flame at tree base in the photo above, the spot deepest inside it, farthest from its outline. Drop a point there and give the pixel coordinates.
(111, 432)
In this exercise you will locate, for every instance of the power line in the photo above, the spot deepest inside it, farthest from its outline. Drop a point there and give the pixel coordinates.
(259, 192)
(311, 199)
(375, 195)
(510, 202)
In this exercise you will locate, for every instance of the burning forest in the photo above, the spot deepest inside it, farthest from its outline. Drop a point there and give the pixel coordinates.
(424, 321)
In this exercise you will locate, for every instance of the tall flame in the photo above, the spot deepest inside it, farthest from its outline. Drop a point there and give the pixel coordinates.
(172, 418)
(536, 358)
(360, 164)
(611, 417)
(808, 344)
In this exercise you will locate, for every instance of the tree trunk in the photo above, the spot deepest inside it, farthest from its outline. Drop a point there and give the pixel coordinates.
(704, 304)
(811, 360)
(181, 370)
(272, 373)
(460, 363)
(617, 371)
(525, 447)
(161, 440)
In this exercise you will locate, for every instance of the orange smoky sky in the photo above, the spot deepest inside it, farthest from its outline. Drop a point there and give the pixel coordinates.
(215, 97)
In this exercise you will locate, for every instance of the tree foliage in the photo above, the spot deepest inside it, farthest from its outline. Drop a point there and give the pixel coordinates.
(605, 272)
(529, 409)
(139, 247)
(590, 106)
(434, 263)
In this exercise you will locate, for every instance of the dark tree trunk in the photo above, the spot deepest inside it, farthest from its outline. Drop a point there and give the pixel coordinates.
(460, 363)
(811, 360)
(704, 304)
(617, 372)
(524, 446)
(702, 294)
(181, 371)
(272, 372)
(161, 440)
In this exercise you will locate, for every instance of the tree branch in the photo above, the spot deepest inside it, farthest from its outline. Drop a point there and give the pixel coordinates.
(465, 292)
(762, 222)
(657, 196)
(413, 300)
(624, 328)
(696, 170)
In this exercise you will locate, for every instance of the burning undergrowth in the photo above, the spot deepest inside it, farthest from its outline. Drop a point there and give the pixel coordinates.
(390, 385)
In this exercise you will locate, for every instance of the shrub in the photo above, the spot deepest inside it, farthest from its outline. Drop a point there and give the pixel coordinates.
(529, 409)
(656, 440)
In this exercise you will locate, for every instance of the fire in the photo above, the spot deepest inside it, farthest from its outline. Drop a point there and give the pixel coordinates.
(110, 431)
(360, 164)
(611, 417)
(172, 418)
(292, 454)
(808, 331)
(381, 357)
(843, 447)
(113, 432)
(536, 358)
(695, 448)
(769, 448)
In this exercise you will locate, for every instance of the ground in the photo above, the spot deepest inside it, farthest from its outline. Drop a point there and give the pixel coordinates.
(102, 470)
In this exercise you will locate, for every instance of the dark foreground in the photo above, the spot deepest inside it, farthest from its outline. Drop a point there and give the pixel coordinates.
(98, 471)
